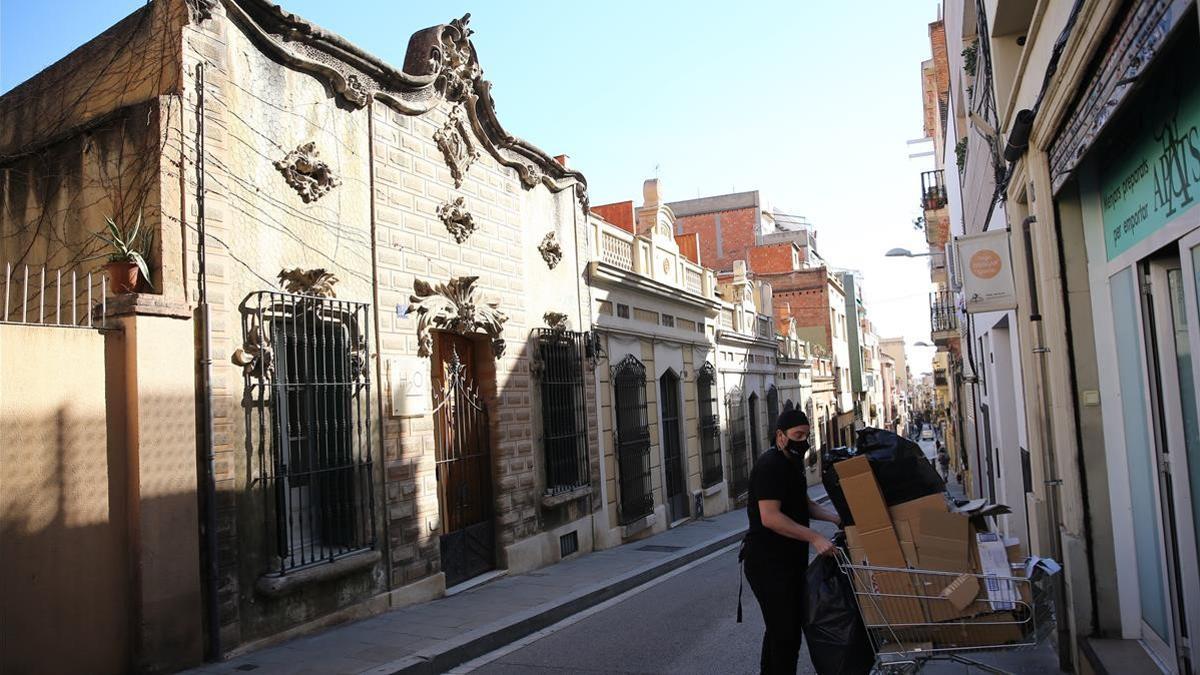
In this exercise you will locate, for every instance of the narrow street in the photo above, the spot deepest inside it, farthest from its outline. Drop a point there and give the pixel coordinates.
(682, 623)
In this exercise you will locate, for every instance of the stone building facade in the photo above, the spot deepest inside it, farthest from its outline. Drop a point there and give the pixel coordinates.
(655, 315)
(384, 265)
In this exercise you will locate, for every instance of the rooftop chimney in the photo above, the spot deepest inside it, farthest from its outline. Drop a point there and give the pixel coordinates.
(563, 160)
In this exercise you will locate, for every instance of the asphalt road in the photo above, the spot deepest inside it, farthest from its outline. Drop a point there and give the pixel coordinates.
(684, 624)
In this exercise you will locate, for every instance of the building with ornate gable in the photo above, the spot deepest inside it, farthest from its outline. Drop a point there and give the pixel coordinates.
(361, 364)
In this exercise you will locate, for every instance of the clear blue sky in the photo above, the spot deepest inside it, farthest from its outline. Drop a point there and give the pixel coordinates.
(810, 102)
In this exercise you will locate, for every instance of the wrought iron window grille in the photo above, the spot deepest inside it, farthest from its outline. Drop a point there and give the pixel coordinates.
(308, 388)
(739, 461)
(559, 364)
(710, 426)
(632, 440)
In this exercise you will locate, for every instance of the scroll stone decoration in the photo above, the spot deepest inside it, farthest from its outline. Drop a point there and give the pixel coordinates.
(454, 141)
(457, 219)
(256, 356)
(556, 321)
(454, 61)
(456, 306)
(550, 249)
(307, 173)
(315, 282)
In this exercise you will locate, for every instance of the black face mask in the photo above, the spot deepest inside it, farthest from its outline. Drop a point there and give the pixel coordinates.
(797, 447)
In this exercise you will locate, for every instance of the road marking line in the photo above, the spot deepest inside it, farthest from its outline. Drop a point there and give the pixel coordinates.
(471, 666)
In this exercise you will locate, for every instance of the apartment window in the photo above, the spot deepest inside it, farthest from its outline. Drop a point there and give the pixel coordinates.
(710, 429)
(668, 320)
(622, 311)
(632, 440)
(564, 409)
(313, 444)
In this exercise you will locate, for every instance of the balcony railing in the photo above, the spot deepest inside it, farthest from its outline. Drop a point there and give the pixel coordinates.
(933, 190)
(943, 312)
(649, 258)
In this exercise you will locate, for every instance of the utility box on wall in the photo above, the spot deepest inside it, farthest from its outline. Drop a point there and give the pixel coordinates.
(408, 385)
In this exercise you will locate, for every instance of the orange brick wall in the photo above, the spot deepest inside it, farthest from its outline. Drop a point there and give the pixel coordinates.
(806, 292)
(771, 258)
(737, 235)
(619, 214)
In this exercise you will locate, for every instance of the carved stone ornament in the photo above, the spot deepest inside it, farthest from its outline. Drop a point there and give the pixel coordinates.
(307, 173)
(201, 10)
(457, 219)
(315, 282)
(356, 91)
(454, 61)
(454, 140)
(530, 176)
(550, 249)
(256, 356)
(456, 306)
(556, 321)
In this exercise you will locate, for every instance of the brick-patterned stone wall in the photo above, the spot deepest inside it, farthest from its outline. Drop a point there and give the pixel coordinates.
(256, 111)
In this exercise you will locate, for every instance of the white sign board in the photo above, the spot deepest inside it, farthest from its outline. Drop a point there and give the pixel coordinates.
(409, 384)
(985, 265)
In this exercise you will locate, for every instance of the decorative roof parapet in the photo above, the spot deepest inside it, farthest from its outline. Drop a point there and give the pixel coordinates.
(440, 65)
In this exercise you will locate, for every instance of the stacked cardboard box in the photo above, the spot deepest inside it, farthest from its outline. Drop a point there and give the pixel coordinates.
(938, 597)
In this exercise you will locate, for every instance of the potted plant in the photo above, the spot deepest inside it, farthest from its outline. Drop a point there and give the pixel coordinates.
(127, 259)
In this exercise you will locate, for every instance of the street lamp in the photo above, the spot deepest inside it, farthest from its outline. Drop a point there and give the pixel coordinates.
(905, 253)
(922, 343)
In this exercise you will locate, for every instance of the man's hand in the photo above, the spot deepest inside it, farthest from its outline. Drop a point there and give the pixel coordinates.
(822, 545)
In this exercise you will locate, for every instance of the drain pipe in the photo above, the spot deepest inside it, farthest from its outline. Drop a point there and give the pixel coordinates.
(1052, 482)
(211, 604)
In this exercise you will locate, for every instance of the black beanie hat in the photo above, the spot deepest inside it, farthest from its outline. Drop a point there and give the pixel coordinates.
(791, 418)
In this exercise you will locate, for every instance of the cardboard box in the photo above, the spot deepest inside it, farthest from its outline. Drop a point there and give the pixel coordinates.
(942, 542)
(996, 571)
(962, 591)
(884, 597)
(875, 534)
(997, 628)
(906, 518)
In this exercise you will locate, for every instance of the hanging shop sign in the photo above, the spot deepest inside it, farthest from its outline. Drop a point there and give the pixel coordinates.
(1154, 172)
(985, 268)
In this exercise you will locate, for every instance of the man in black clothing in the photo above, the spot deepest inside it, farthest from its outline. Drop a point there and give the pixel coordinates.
(776, 549)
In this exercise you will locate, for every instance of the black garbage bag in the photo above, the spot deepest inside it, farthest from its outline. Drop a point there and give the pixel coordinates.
(837, 640)
(900, 467)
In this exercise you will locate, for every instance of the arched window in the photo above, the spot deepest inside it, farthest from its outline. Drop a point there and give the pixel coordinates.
(633, 440)
(755, 442)
(710, 426)
(739, 461)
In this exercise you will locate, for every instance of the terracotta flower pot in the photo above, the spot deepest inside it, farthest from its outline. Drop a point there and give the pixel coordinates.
(123, 276)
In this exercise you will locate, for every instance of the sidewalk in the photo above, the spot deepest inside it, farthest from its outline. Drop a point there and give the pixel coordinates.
(435, 636)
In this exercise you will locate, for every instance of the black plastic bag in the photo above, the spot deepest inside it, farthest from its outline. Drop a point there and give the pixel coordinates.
(900, 467)
(837, 640)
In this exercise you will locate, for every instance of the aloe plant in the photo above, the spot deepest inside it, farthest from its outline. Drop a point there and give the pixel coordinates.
(126, 246)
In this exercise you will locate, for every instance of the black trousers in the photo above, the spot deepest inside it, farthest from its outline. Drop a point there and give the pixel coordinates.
(778, 586)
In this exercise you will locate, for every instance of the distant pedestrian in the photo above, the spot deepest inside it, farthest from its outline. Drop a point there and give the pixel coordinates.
(943, 459)
(775, 551)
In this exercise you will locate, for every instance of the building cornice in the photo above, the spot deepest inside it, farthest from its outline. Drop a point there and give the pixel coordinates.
(602, 271)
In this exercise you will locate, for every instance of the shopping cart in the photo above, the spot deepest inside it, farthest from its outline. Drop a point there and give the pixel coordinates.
(916, 616)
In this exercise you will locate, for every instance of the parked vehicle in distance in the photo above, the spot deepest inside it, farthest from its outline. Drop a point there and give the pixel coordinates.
(927, 433)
